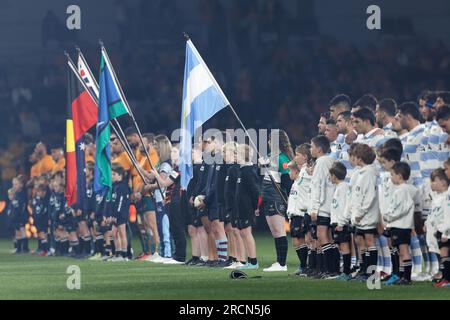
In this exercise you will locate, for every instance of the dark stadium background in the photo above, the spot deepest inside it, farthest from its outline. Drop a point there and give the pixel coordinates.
(278, 61)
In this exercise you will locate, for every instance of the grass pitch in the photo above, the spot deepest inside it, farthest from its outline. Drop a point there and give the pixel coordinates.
(31, 277)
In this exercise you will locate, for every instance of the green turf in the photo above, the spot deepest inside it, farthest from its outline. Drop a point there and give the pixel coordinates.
(30, 277)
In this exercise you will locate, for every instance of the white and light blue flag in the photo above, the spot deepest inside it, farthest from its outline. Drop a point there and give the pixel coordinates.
(202, 98)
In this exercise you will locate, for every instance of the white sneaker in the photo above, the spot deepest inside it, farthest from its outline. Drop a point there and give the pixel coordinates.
(160, 259)
(234, 265)
(173, 261)
(105, 258)
(116, 259)
(275, 267)
(421, 277)
(153, 257)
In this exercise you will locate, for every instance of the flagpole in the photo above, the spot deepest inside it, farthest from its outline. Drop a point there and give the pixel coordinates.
(187, 37)
(131, 155)
(87, 66)
(257, 152)
(129, 112)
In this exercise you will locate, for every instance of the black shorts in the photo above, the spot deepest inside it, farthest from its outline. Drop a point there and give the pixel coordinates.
(363, 232)
(273, 208)
(307, 221)
(213, 214)
(341, 236)
(400, 236)
(81, 217)
(313, 230)
(41, 223)
(298, 227)
(245, 223)
(387, 232)
(70, 224)
(202, 212)
(225, 215)
(440, 243)
(323, 221)
(197, 222)
(122, 217)
(234, 222)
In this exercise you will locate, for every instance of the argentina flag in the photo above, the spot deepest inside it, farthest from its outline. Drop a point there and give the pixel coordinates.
(202, 98)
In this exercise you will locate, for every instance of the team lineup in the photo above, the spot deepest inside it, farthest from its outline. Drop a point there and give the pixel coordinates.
(368, 194)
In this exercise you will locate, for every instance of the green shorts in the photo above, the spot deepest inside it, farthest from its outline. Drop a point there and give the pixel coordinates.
(145, 205)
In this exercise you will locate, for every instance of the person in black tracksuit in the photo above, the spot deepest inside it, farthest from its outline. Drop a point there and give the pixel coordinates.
(19, 215)
(202, 211)
(55, 210)
(218, 238)
(9, 222)
(247, 193)
(41, 218)
(193, 220)
(236, 245)
(120, 208)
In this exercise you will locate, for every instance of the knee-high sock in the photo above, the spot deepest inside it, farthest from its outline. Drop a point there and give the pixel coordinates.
(222, 249)
(312, 259)
(373, 258)
(416, 255)
(302, 254)
(434, 263)
(328, 254)
(425, 253)
(281, 245)
(395, 261)
(384, 255)
(446, 268)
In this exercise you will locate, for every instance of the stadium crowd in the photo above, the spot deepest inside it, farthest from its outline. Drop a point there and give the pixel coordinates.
(368, 193)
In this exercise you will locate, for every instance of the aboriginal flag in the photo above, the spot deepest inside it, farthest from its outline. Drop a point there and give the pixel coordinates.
(82, 112)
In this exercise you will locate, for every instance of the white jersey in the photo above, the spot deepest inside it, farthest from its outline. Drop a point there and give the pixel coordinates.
(385, 191)
(322, 189)
(299, 197)
(351, 185)
(437, 211)
(400, 213)
(338, 204)
(443, 224)
(436, 214)
(364, 207)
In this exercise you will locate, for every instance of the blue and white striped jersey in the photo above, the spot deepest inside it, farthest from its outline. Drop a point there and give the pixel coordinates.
(374, 138)
(336, 146)
(389, 132)
(411, 153)
(430, 148)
